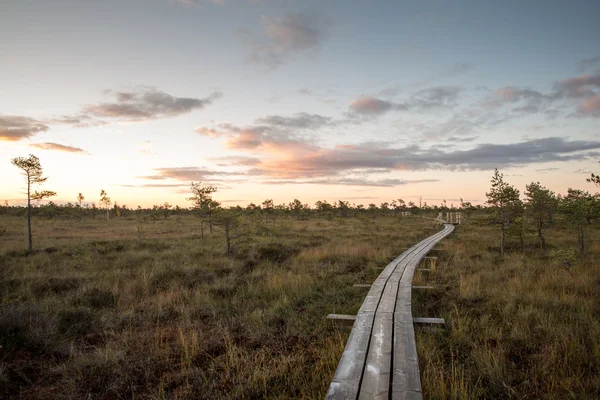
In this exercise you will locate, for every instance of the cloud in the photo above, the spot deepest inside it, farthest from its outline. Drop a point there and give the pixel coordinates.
(299, 121)
(292, 34)
(435, 97)
(579, 86)
(371, 106)
(155, 185)
(267, 138)
(589, 62)
(58, 147)
(188, 174)
(235, 161)
(13, 127)
(547, 169)
(591, 106)
(146, 103)
(281, 154)
(351, 182)
(425, 99)
(457, 139)
(521, 100)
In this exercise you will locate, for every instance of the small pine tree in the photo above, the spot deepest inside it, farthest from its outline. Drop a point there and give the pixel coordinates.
(504, 198)
(33, 171)
(540, 205)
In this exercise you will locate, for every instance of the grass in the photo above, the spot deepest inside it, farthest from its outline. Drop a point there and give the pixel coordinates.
(521, 327)
(124, 310)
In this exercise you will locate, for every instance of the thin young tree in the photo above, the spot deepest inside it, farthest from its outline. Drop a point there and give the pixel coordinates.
(33, 171)
(575, 206)
(201, 201)
(504, 198)
(104, 199)
(540, 204)
(234, 228)
(80, 200)
(267, 207)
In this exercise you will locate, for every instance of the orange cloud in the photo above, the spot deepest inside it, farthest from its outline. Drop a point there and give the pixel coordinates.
(57, 147)
(591, 106)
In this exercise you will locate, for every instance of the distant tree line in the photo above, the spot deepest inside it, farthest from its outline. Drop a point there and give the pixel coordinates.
(504, 208)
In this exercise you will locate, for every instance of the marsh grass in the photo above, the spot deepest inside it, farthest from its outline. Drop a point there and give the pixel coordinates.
(100, 311)
(517, 327)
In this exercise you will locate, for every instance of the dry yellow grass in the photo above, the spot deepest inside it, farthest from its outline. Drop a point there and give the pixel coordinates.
(99, 312)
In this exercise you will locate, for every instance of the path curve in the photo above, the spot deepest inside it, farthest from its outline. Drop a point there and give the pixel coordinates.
(380, 358)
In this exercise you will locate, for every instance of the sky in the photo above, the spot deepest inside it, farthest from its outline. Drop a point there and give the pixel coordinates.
(365, 101)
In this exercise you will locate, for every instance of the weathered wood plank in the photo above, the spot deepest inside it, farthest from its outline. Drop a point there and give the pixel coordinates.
(342, 319)
(405, 378)
(429, 321)
(346, 381)
(377, 372)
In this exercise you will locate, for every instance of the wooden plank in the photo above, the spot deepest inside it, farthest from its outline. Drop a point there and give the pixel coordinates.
(405, 379)
(342, 319)
(346, 381)
(376, 375)
(429, 321)
(388, 299)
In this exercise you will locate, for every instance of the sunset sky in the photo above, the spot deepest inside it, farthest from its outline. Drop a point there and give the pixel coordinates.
(366, 101)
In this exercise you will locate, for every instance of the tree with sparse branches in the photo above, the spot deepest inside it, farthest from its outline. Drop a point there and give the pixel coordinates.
(80, 200)
(104, 199)
(233, 226)
(540, 204)
(33, 171)
(267, 207)
(504, 198)
(202, 202)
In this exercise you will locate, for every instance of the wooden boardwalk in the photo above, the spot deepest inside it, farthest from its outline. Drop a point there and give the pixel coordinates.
(380, 357)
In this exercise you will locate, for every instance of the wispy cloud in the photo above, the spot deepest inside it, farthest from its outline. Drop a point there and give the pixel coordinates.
(422, 100)
(589, 62)
(188, 174)
(146, 103)
(351, 182)
(13, 127)
(57, 147)
(371, 106)
(285, 36)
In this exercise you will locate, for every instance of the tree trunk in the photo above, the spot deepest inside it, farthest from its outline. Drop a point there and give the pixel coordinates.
(107, 216)
(202, 229)
(502, 241)
(29, 237)
(210, 226)
(542, 240)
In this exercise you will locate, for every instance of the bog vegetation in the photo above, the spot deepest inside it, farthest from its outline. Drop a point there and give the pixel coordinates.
(212, 302)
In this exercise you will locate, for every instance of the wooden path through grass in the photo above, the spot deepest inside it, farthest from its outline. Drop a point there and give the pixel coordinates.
(380, 358)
